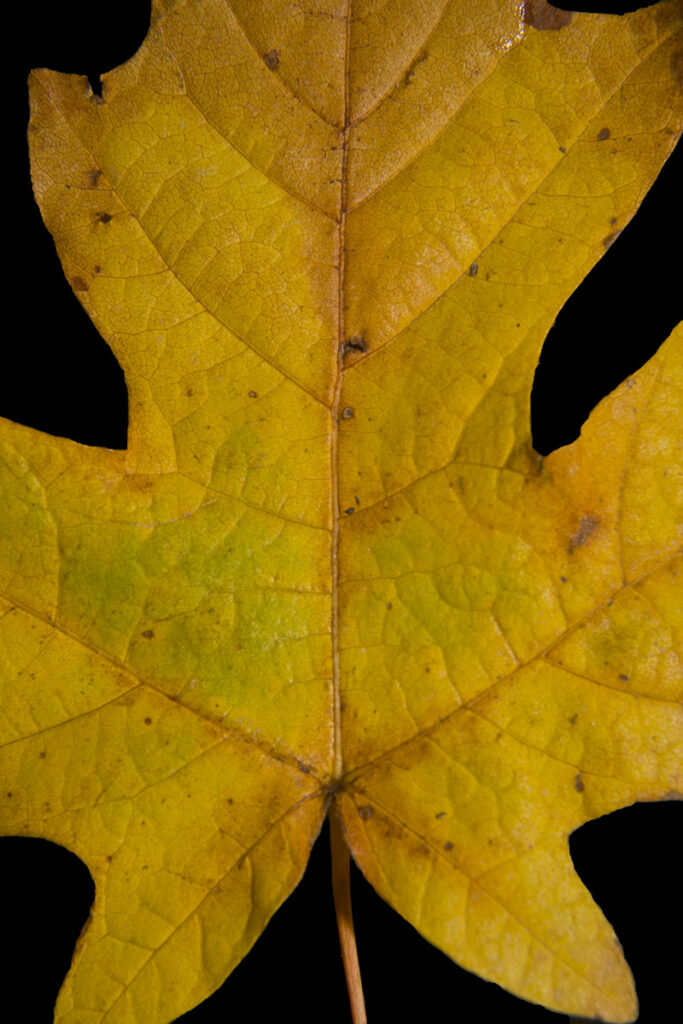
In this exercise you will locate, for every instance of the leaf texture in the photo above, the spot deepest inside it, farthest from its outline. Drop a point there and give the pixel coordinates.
(326, 244)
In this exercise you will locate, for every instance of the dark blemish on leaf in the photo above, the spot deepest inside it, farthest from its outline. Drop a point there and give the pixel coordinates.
(623, 677)
(42, 755)
(587, 528)
(542, 15)
(253, 394)
(94, 176)
(356, 343)
(474, 270)
(104, 217)
(108, 859)
(97, 268)
(230, 800)
(448, 846)
(389, 606)
(562, 149)
(189, 392)
(349, 511)
(272, 59)
(347, 413)
(441, 814)
(613, 221)
(410, 73)
(603, 134)
(356, 499)
(677, 66)
(572, 718)
(578, 783)
(9, 794)
(563, 579)
(365, 813)
(148, 721)
(611, 238)
(79, 285)
(148, 633)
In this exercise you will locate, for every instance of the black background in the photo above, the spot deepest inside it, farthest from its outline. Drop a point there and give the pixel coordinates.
(57, 374)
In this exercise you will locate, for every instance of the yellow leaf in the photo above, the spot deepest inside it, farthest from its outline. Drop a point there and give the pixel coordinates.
(326, 244)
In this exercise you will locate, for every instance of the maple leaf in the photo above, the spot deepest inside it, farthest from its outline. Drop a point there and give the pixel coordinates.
(329, 567)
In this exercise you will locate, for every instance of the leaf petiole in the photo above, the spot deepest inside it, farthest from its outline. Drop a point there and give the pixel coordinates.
(341, 888)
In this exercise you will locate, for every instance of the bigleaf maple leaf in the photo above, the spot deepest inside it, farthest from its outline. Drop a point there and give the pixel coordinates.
(329, 572)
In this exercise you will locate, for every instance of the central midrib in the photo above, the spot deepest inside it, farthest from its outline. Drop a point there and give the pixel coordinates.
(337, 766)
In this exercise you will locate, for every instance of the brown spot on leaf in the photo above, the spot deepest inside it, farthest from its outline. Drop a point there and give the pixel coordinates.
(611, 238)
(97, 268)
(365, 813)
(189, 392)
(578, 783)
(347, 413)
(623, 677)
(356, 343)
(542, 15)
(79, 285)
(272, 59)
(103, 217)
(389, 606)
(410, 73)
(585, 531)
(94, 176)
(677, 66)
(441, 814)
(603, 134)
(572, 719)
(148, 721)
(253, 394)
(448, 846)
(148, 633)
(474, 270)
(42, 755)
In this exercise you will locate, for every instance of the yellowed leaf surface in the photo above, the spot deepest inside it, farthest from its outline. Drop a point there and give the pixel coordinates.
(326, 243)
